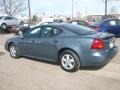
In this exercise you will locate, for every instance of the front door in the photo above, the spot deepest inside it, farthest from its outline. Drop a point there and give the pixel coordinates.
(28, 44)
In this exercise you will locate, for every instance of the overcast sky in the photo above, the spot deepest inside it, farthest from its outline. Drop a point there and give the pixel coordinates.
(63, 7)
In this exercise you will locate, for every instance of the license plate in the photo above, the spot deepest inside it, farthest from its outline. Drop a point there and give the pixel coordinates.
(111, 44)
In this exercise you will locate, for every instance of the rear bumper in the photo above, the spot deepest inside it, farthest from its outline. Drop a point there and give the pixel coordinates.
(100, 58)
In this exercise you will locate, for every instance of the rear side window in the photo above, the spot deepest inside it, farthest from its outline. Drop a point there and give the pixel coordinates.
(1, 18)
(81, 30)
(111, 23)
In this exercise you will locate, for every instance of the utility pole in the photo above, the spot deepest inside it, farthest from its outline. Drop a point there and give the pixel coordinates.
(106, 4)
(72, 8)
(29, 11)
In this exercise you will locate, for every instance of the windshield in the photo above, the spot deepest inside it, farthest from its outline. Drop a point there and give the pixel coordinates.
(78, 29)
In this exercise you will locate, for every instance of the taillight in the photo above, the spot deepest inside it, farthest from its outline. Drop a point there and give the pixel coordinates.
(97, 28)
(98, 44)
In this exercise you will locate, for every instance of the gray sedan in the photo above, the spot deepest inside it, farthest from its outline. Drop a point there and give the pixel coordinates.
(73, 46)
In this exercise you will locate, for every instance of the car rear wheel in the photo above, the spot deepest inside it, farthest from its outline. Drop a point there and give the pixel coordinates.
(13, 51)
(69, 61)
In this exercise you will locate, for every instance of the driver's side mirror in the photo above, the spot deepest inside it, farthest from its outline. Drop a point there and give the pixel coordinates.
(20, 33)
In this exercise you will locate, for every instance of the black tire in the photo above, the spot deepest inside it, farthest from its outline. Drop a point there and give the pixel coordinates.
(16, 55)
(75, 64)
(4, 26)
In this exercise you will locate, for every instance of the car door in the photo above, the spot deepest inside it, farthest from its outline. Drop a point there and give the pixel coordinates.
(28, 45)
(48, 44)
(14, 21)
(7, 20)
(111, 27)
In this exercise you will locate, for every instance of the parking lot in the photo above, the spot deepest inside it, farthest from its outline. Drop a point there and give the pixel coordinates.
(31, 74)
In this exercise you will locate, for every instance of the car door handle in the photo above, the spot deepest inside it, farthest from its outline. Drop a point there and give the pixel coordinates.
(55, 41)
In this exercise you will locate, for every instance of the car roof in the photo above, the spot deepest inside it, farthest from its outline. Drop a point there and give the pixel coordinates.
(76, 20)
(110, 19)
(56, 24)
(6, 16)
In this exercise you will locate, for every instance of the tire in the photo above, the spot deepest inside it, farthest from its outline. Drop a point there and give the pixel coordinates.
(69, 61)
(4, 26)
(13, 51)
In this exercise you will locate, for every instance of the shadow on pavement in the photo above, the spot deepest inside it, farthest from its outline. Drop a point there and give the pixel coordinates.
(56, 63)
(42, 61)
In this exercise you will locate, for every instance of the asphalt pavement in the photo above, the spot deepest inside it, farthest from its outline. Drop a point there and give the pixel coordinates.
(31, 74)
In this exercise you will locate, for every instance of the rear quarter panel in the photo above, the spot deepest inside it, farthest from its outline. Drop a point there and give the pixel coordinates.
(80, 45)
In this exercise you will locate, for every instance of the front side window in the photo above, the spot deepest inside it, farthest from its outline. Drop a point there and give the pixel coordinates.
(51, 31)
(74, 23)
(48, 31)
(8, 18)
(33, 33)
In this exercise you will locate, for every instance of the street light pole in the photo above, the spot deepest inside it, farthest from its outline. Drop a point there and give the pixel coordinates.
(72, 9)
(29, 11)
(106, 3)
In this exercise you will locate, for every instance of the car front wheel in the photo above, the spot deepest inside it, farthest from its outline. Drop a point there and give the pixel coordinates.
(69, 61)
(13, 51)
(4, 26)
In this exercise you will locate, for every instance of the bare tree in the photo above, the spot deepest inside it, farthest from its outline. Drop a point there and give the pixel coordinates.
(106, 1)
(11, 7)
(113, 10)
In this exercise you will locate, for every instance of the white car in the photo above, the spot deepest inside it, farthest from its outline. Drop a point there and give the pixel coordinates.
(6, 21)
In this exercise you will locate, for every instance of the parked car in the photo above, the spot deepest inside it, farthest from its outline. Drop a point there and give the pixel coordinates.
(7, 21)
(79, 22)
(108, 25)
(22, 27)
(73, 46)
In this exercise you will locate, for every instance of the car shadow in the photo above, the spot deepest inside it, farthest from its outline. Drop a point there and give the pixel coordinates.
(40, 60)
(95, 68)
(91, 68)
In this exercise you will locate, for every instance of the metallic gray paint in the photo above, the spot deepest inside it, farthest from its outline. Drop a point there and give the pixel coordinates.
(47, 48)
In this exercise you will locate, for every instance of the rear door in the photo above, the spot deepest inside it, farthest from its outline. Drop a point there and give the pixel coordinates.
(14, 21)
(48, 44)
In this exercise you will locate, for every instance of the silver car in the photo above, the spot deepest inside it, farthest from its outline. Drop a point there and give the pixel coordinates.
(73, 46)
(6, 21)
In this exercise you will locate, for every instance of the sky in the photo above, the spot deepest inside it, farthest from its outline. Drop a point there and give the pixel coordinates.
(64, 7)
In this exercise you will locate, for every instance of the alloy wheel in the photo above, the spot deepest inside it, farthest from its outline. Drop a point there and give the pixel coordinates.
(68, 61)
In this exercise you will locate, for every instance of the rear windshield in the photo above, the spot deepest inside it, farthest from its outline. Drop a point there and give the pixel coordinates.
(1, 18)
(77, 29)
